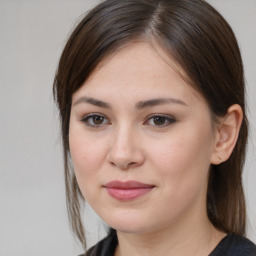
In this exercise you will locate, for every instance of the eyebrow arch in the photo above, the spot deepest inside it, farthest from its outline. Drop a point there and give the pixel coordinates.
(139, 105)
(160, 101)
(92, 101)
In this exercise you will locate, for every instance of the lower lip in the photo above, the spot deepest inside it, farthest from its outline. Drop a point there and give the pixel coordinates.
(127, 194)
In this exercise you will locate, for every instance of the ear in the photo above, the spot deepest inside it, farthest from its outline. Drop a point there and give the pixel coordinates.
(227, 131)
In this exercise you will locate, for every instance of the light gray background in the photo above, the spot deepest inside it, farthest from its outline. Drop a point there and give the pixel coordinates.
(33, 220)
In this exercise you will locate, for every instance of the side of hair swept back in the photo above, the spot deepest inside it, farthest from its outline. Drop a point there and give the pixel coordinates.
(201, 41)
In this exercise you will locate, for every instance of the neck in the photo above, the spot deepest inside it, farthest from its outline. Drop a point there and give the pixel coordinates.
(194, 237)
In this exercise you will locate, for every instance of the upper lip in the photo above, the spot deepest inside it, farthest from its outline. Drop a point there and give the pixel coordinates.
(131, 184)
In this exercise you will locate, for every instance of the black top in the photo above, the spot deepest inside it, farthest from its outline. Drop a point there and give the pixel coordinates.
(230, 245)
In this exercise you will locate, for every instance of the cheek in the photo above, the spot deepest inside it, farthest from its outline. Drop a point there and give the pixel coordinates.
(184, 160)
(87, 157)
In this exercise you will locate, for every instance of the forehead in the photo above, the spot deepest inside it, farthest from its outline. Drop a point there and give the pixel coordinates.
(139, 70)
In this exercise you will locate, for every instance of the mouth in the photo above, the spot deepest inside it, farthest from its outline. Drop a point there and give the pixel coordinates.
(129, 190)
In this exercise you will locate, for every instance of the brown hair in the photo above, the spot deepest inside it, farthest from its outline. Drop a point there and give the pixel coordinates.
(201, 41)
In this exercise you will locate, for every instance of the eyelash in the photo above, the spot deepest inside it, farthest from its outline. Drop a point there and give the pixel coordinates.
(88, 119)
(91, 117)
(168, 120)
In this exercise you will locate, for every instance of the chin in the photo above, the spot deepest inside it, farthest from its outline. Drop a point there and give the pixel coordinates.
(133, 229)
(130, 224)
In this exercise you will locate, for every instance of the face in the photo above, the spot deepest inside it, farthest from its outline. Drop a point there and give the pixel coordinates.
(141, 142)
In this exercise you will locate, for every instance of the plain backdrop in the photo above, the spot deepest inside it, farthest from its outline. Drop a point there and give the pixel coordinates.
(33, 219)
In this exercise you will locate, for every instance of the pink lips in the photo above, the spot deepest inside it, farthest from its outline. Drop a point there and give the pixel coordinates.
(128, 190)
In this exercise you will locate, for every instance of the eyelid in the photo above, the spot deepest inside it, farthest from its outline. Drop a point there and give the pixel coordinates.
(169, 118)
(91, 115)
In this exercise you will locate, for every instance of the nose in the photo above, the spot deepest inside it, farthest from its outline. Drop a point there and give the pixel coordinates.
(125, 149)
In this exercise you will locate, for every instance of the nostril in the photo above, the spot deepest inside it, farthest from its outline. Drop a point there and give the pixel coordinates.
(132, 164)
(123, 166)
(124, 156)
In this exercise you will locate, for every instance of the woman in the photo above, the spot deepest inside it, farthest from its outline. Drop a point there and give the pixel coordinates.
(154, 129)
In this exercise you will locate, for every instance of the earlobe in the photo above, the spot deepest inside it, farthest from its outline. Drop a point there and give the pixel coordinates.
(227, 132)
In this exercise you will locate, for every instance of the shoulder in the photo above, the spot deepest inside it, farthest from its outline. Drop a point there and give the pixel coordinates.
(105, 247)
(235, 245)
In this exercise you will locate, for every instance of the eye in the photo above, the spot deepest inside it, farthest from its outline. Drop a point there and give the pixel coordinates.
(95, 120)
(160, 120)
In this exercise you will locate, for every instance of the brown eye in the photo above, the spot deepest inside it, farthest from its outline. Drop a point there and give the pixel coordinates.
(160, 120)
(98, 120)
(95, 120)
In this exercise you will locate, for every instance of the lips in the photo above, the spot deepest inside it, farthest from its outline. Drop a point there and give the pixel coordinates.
(128, 190)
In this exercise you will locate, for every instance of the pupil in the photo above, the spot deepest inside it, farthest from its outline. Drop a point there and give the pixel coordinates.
(98, 119)
(159, 120)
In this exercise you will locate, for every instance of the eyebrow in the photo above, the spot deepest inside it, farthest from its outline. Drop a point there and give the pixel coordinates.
(92, 101)
(139, 105)
(160, 101)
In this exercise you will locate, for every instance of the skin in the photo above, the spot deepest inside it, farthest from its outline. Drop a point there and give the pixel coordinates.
(124, 142)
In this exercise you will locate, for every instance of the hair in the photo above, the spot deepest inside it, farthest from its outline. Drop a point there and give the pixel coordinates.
(195, 35)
